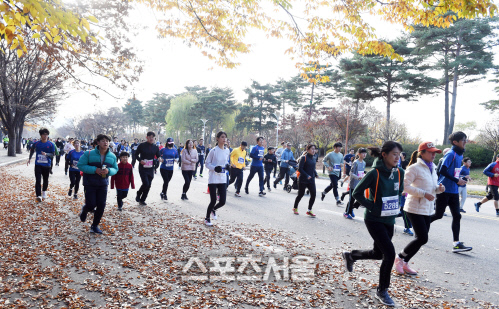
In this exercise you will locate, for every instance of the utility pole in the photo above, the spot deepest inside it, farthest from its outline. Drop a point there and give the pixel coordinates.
(204, 125)
(346, 139)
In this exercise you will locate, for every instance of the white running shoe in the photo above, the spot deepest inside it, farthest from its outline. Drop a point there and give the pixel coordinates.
(214, 215)
(44, 194)
(208, 223)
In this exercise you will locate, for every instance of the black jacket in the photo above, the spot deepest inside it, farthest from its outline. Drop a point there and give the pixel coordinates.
(269, 165)
(306, 167)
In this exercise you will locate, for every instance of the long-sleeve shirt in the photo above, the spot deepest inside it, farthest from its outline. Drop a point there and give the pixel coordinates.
(333, 160)
(217, 157)
(48, 148)
(266, 158)
(256, 154)
(450, 170)
(147, 152)
(238, 158)
(358, 168)
(285, 157)
(124, 178)
(306, 167)
(169, 156)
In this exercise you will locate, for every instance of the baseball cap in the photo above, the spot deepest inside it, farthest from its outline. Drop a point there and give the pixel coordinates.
(169, 140)
(428, 146)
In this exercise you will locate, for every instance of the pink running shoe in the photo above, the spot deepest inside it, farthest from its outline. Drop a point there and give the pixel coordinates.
(408, 270)
(399, 266)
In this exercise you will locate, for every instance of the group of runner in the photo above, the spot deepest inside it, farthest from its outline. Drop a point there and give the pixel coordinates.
(429, 189)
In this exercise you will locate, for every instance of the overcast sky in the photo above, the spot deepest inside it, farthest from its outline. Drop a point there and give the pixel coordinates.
(169, 66)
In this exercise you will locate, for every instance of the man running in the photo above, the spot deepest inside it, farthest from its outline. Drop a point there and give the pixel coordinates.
(45, 151)
(347, 161)
(449, 177)
(201, 152)
(278, 154)
(256, 155)
(145, 155)
(237, 166)
(286, 156)
(333, 161)
(97, 165)
(134, 149)
(492, 172)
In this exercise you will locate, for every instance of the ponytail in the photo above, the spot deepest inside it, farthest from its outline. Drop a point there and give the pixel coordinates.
(415, 155)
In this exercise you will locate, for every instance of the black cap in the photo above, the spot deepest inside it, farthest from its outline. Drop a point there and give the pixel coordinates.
(244, 144)
(270, 148)
(169, 140)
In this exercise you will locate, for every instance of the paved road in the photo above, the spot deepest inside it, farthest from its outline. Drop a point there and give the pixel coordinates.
(466, 276)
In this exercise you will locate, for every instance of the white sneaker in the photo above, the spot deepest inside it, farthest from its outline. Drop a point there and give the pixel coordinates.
(44, 194)
(214, 215)
(208, 223)
(38, 199)
(237, 194)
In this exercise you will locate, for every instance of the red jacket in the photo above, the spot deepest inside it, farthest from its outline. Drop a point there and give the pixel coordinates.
(124, 177)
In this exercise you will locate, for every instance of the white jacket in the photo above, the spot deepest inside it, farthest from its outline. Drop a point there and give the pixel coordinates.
(419, 180)
(217, 157)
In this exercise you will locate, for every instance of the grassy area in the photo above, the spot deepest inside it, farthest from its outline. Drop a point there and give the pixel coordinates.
(477, 176)
(479, 193)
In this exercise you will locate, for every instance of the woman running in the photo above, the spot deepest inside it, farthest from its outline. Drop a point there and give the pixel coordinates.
(74, 173)
(385, 183)
(306, 167)
(217, 164)
(357, 172)
(189, 160)
(421, 184)
(169, 155)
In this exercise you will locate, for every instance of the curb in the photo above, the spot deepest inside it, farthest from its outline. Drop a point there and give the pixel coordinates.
(12, 162)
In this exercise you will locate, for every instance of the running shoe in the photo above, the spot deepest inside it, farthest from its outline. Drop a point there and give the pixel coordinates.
(120, 208)
(83, 214)
(38, 199)
(460, 247)
(384, 298)
(399, 265)
(497, 212)
(246, 190)
(462, 210)
(70, 192)
(311, 214)
(408, 232)
(323, 195)
(408, 270)
(95, 229)
(352, 214)
(237, 194)
(347, 257)
(295, 211)
(137, 198)
(75, 197)
(268, 188)
(214, 215)
(342, 183)
(142, 203)
(44, 194)
(347, 216)
(261, 193)
(275, 185)
(162, 196)
(477, 207)
(339, 203)
(183, 196)
(208, 223)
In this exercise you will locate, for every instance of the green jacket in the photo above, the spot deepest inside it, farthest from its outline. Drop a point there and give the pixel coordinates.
(389, 185)
(90, 161)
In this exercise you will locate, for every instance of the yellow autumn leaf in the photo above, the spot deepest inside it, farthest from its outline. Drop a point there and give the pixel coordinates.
(19, 53)
(92, 19)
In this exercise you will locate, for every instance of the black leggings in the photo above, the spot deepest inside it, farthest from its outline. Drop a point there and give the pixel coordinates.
(333, 185)
(146, 175)
(301, 192)
(268, 172)
(167, 176)
(421, 225)
(383, 250)
(213, 206)
(283, 172)
(74, 178)
(120, 195)
(41, 171)
(451, 199)
(187, 180)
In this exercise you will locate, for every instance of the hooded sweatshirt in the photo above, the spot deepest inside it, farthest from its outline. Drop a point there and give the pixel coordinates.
(384, 209)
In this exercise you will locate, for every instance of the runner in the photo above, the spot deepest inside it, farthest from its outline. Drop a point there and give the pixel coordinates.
(357, 172)
(333, 161)
(5, 142)
(216, 163)
(306, 179)
(269, 162)
(385, 183)
(123, 179)
(421, 183)
(465, 173)
(115, 145)
(67, 148)
(189, 158)
(74, 173)
(97, 165)
(169, 155)
(491, 171)
(256, 155)
(201, 152)
(278, 154)
(403, 163)
(286, 156)
(145, 155)
(45, 151)
(237, 166)
(449, 177)
(347, 163)
(134, 150)
(60, 146)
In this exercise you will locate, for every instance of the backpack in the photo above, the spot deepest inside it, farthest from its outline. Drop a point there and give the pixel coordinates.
(298, 171)
(367, 192)
(439, 165)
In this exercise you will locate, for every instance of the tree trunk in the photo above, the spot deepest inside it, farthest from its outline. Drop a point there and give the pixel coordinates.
(311, 101)
(11, 151)
(454, 93)
(388, 103)
(20, 129)
(446, 121)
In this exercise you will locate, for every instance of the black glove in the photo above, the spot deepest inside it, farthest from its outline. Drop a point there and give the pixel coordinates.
(227, 166)
(218, 169)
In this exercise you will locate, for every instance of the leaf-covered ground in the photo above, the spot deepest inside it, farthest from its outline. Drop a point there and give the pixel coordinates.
(49, 260)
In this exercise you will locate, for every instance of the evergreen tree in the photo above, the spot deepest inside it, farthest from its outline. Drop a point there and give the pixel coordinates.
(133, 112)
(155, 111)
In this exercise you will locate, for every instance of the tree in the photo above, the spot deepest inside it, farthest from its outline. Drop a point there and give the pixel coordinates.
(261, 103)
(462, 54)
(374, 77)
(133, 112)
(381, 133)
(489, 137)
(179, 119)
(324, 28)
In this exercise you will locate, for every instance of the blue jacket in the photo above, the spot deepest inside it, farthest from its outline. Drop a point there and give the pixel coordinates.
(452, 160)
(255, 154)
(169, 156)
(90, 161)
(73, 158)
(286, 156)
(488, 170)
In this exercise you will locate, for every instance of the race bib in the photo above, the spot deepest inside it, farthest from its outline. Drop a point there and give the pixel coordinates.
(169, 162)
(390, 206)
(336, 167)
(42, 159)
(75, 164)
(396, 186)
(260, 153)
(457, 172)
(135, 147)
(149, 163)
(240, 160)
(361, 174)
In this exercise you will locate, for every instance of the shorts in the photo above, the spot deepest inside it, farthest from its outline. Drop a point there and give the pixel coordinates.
(493, 193)
(347, 170)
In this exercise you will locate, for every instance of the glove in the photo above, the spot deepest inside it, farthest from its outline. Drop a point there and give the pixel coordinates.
(227, 167)
(218, 169)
